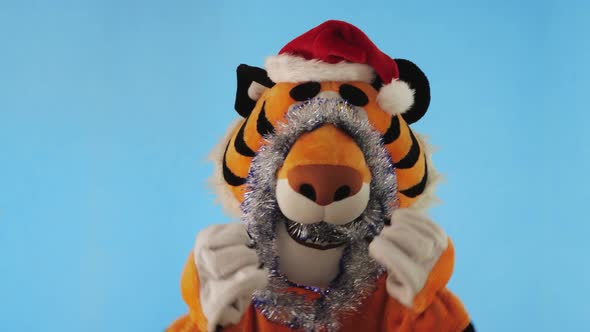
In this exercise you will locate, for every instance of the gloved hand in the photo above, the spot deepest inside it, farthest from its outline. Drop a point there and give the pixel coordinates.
(408, 249)
(229, 272)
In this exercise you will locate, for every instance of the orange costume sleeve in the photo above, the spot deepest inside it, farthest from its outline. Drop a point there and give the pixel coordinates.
(195, 320)
(435, 307)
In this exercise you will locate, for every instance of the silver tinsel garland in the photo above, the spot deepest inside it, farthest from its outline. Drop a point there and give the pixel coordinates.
(261, 214)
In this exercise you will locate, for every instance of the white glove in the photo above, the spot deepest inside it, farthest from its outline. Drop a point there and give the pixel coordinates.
(408, 249)
(229, 272)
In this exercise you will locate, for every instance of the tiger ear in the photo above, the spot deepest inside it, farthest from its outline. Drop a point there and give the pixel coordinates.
(417, 81)
(252, 82)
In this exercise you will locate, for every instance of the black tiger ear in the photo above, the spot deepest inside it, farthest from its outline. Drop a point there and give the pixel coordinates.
(252, 81)
(417, 81)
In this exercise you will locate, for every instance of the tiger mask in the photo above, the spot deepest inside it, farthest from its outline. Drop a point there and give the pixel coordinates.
(331, 187)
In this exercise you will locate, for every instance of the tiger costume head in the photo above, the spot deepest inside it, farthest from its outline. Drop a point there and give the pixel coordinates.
(322, 155)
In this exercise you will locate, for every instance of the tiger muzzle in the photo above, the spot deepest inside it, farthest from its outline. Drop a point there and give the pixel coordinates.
(324, 178)
(325, 184)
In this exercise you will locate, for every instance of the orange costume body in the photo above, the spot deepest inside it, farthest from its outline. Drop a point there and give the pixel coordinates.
(435, 308)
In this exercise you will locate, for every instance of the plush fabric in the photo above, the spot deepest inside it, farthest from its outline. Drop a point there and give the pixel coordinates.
(396, 97)
(229, 272)
(252, 81)
(305, 91)
(339, 51)
(407, 151)
(322, 176)
(381, 312)
(270, 110)
(416, 81)
(294, 69)
(409, 248)
(353, 95)
(337, 42)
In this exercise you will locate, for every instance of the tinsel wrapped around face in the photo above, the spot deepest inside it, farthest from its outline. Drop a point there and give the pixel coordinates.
(261, 213)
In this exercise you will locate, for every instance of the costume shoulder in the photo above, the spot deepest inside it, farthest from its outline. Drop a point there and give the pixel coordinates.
(195, 320)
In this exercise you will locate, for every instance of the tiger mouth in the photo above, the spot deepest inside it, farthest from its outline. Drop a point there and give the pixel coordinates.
(321, 235)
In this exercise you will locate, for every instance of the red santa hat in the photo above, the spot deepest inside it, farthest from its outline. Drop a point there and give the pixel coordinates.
(339, 51)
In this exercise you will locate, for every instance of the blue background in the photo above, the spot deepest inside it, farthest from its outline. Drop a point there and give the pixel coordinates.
(108, 110)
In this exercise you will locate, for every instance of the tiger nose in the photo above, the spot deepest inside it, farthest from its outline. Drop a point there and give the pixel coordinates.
(325, 184)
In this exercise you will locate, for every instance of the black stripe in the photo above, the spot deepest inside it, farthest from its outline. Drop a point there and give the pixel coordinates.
(393, 131)
(377, 83)
(239, 143)
(469, 328)
(228, 175)
(263, 126)
(412, 157)
(418, 188)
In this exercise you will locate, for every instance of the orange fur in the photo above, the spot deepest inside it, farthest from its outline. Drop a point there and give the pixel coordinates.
(317, 148)
(240, 164)
(439, 276)
(195, 321)
(277, 102)
(402, 144)
(434, 309)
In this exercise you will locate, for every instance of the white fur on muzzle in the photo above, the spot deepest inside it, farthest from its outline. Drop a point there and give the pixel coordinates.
(301, 209)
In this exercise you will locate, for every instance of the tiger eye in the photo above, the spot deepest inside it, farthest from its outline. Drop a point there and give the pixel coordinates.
(353, 95)
(305, 91)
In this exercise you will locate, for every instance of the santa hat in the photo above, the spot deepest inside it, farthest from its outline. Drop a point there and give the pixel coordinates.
(339, 51)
